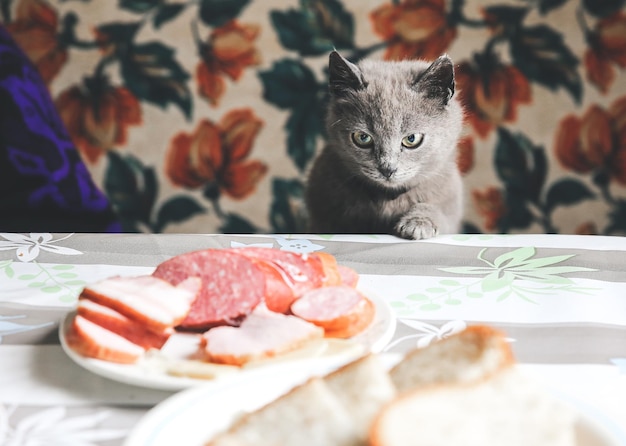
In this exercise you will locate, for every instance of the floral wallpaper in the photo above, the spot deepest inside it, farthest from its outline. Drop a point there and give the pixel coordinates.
(204, 116)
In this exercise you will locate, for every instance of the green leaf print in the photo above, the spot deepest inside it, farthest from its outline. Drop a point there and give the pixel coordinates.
(518, 273)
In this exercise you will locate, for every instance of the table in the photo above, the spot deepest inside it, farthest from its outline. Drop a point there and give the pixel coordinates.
(560, 299)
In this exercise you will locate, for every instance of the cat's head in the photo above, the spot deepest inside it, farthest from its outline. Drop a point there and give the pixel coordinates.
(394, 123)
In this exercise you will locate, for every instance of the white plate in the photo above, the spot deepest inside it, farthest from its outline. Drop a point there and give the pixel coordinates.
(195, 415)
(151, 371)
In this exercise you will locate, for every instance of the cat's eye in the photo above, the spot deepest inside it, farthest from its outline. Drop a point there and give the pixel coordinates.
(362, 139)
(413, 140)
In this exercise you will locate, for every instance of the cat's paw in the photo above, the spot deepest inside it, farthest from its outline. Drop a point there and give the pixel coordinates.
(415, 228)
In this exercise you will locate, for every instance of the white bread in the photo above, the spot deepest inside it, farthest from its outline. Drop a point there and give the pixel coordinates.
(470, 355)
(460, 390)
(308, 415)
(363, 387)
(504, 409)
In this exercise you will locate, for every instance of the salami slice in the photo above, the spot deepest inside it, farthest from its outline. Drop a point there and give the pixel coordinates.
(341, 310)
(232, 286)
(299, 272)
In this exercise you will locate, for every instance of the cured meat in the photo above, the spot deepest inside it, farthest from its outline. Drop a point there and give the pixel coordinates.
(231, 286)
(341, 310)
(263, 334)
(145, 299)
(332, 275)
(94, 341)
(299, 272)
(348, 276)
(121, 325)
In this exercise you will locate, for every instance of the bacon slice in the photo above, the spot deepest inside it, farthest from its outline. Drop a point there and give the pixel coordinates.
(94, 341)
(121, 325)
(145, 299)
(263, 334)
(341, 310)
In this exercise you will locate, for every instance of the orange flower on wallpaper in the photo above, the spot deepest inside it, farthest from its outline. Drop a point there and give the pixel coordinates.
(489, 204)
(465, 154)
(97, 116)
(597, 140)
(607, 46)
(34, 29)
(218, 153)
(491, 96)
(415, 29)
(229, 50)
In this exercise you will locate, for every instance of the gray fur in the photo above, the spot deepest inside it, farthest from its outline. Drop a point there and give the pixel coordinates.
(388, 188)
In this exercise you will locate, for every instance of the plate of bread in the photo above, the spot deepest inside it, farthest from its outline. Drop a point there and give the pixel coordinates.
(210, 316)
(465, 389)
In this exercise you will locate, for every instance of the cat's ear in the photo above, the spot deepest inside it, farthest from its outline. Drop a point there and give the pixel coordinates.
(437, 81)
(343, 75)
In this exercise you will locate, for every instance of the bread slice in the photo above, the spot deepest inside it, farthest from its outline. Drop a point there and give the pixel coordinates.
(363, 386)
(470, 355)
(308, 415)
(504, 409)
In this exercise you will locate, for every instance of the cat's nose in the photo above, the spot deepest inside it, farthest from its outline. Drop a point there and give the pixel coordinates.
(387, 171)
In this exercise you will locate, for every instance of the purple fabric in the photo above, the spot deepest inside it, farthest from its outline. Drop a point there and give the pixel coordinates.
(44, 185)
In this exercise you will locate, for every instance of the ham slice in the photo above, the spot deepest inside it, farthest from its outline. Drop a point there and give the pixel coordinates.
(263, 334)
(231, 286)
(121, 325)
(341, 310)
(145, 299)
(92, 340)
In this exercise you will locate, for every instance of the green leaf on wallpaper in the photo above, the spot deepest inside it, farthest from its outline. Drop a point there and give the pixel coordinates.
(290, 84)
(219, 12)
(236, 224)
(139, 6)
(542, 55)
(152, 73)
(567, 192)
(176, 210)
(285, 84)
(131, 188)
(617, 218)
(287, 199)
(520, 164)
(509, 16)
(166, 13)
(118, 32)
(316, 28)
(545, 6)
(303, 127)
(5, 10)
(603, 8)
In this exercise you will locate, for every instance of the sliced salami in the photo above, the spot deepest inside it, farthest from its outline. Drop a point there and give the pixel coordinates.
(232, 286)
(341, 310)
(299, 272)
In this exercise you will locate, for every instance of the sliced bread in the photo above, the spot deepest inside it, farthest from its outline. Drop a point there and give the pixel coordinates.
(470, 355)
(308, 415)
(504, 409)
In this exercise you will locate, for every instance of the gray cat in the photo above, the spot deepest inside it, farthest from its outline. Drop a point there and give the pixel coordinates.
(389, 165)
